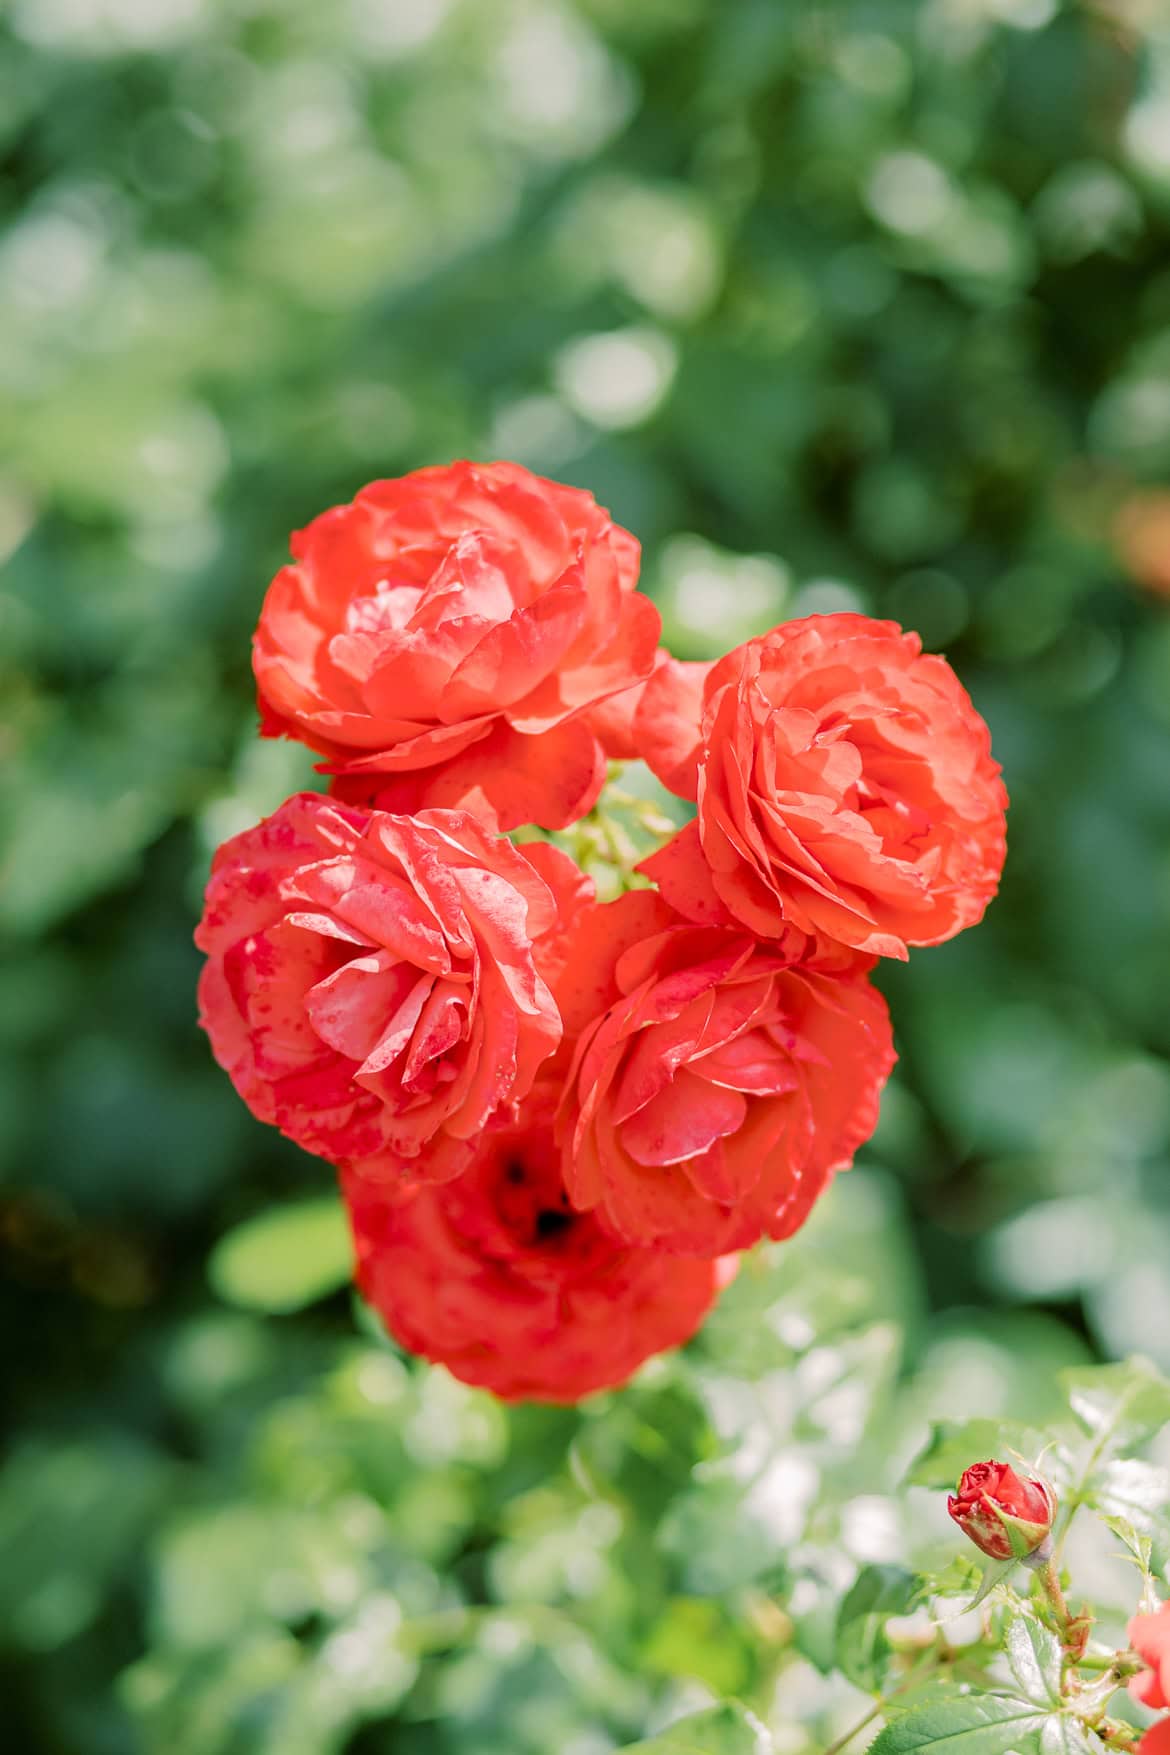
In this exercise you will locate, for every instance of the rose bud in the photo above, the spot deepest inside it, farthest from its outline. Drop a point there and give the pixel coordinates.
(1006, 1515)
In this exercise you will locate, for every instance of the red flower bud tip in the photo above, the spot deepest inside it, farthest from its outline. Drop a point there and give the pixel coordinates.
(1006, 1516)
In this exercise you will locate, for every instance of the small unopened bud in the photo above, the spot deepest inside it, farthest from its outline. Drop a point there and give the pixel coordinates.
(1006, 1515)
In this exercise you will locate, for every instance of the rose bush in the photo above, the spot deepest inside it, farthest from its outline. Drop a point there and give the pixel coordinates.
(440, 639)
(497, 1278)
(844, 783)
(373, 985)
(717, 1082)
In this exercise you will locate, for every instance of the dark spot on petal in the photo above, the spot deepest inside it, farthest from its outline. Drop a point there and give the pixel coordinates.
(550, 1222)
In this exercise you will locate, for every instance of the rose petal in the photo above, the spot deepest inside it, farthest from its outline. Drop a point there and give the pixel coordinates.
(682, 1121)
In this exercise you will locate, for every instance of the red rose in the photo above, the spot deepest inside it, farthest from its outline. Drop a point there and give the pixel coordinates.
(716, 1084)
(844, 781)
(495, 1277)
(1006, 1515)
(1150, 1637)
(372, 987)
(441, 639)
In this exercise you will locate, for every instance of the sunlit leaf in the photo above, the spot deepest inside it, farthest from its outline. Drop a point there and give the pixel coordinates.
(955, 1444)
(1063, 1735)
(284, 1259)
(694, 1636)
(994, 1572)
(726, 1730)
(862, 1649)
(1035, 1658)
(977, 1724)
(1140, 1546)
(1136, 1491)
(72, 1516)
(1119, 1405)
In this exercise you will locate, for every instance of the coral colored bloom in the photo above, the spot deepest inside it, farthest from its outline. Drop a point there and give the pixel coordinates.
(668, 722)
(442, 639)
(619, 721)
(374, 984)
(1156, 1740)
(844, 781)
(716, 1084)
(495, 1277)
(1003, 1513)
(1150, 1637)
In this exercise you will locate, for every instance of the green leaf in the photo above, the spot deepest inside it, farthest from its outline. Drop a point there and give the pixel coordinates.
(1024, 1534)
(976, 1724)
(958, 1578)
(1119, 1405)
(285, 1259)
(1140, 1546)
(1138, 1492)
(1068, 1736)
(72, 1516)
(1034, 1655)
(695, 1636)
(725, 1730)
(994, 1572)
(862, 1650)
(955, 1444)
(720, 1538)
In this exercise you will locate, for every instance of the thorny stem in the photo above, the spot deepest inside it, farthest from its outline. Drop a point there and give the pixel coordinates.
(1123, 1663)
(1074, 1630)
(930, 1660)
(1117, 1735)
(843, 1742)
(1049, 1580)
(1091, 1704)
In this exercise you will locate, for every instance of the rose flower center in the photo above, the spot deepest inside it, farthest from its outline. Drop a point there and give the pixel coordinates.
(530, 1202)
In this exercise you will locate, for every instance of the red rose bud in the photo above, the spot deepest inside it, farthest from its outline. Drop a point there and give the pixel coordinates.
(1006, 1516)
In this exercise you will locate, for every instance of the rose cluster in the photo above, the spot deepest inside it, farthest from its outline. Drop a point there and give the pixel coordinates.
(557, 1119)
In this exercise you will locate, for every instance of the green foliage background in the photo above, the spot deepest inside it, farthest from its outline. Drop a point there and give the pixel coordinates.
(853, 304)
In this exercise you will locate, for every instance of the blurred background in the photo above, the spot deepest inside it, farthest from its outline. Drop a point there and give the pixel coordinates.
(861, 304)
